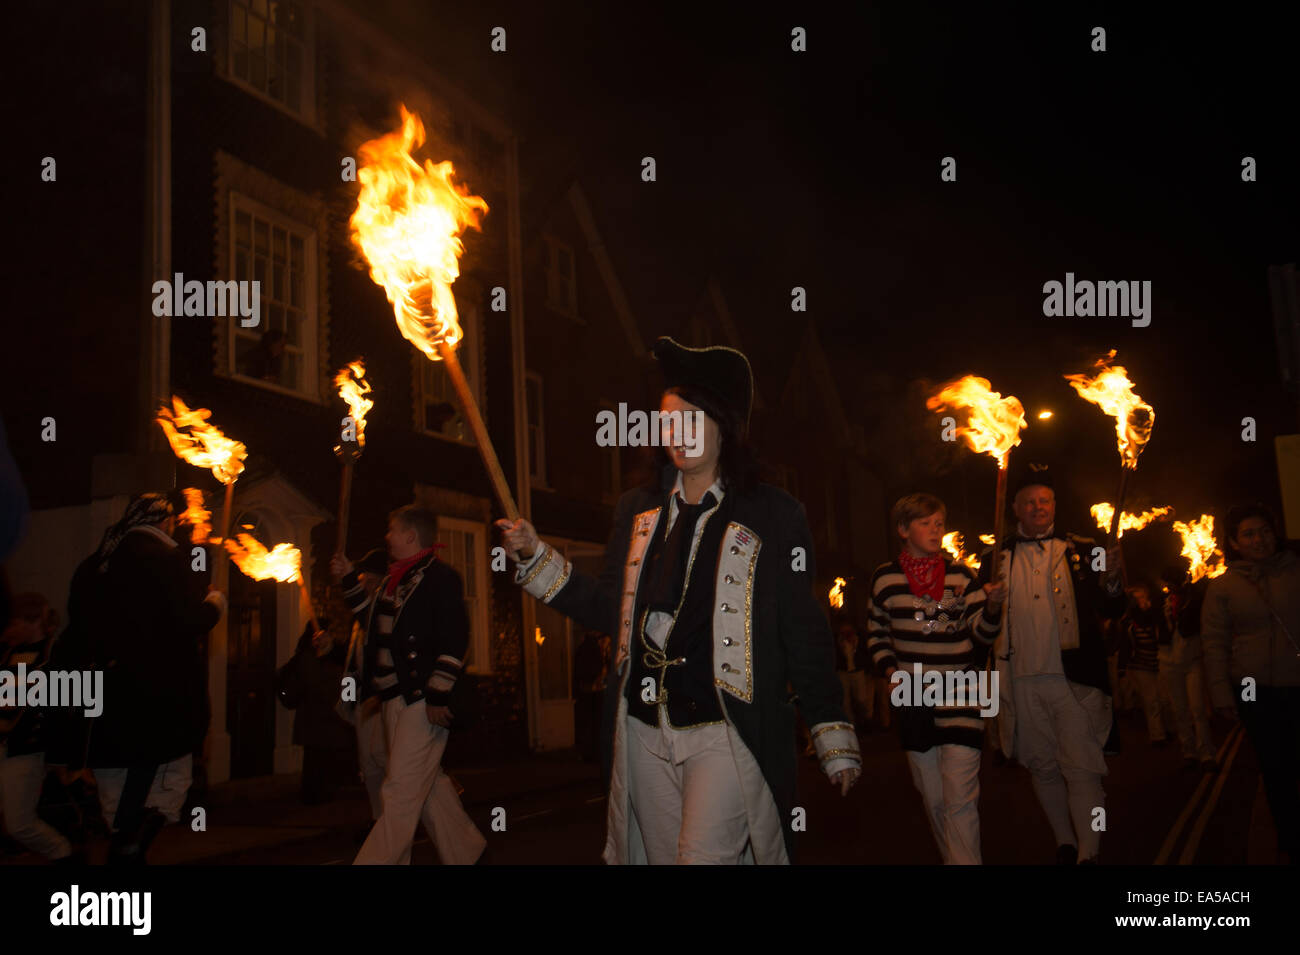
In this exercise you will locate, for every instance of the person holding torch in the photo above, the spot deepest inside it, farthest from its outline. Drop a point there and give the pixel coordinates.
(1053, 679)
(708, 587)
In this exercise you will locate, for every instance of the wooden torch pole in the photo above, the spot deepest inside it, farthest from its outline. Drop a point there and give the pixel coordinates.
(345, 499)
(226, 514)
(470, 407)
(999, 518)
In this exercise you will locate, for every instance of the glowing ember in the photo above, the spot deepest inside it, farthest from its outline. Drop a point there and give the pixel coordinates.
(837, 592)
(1200, 548)
(407, 224)
(196, 515)
(1104, 512)
(988, 539)
(198, 443)
(1111, 390)
(282, 562)
(353, 388)
(993, 423)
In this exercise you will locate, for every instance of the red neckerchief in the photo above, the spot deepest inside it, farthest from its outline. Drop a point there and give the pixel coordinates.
(399, 568)
(924, 574)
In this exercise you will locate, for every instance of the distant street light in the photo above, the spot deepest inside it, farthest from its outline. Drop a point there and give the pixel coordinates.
(1044, 415)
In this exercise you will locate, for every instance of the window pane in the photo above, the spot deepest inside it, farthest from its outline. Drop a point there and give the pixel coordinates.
(259, 7)
(259, 270)
(292, 370)
(260, 239)
(295, 288)
(257, 71)
(243, 229)
(276, 321)
(277, 282)
(295, 252)
(293, 329)
(257, 37)
(241, 265)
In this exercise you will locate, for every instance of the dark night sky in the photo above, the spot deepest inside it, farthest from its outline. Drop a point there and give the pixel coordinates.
(822, 169)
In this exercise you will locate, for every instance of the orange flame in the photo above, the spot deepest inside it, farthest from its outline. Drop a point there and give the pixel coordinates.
(1111, 391)
(954, 542)
(988, 539)
(282, 562)
(407, 224)
(837, 592)
(1200, 547)
(204, 446)
(353, 388)
(196, 515)
(1104, 512)
(993, 424)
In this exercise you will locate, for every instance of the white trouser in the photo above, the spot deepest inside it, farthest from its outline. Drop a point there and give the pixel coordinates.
(1184, 687)
(1057, 727)
(1148, 690)
(948, 778)
(690, 808)
(417, 790)
(21, 779)
(167, 792)
(372, 752)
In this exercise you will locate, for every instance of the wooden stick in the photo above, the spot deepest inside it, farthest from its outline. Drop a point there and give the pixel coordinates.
(1113, 534)
(999, 518)
(470, 407)
(345, 499)
(226, 514)
(311, 611)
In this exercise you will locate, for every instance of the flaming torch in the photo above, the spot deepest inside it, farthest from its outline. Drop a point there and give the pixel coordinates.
(1111, 391)
(993, 426)
(1104, 515)
(353, 389)
(196, 515)
(1200, 548)
(408, 222)
(203, 445)
(283, 563)
(837, 593)
(954, 542)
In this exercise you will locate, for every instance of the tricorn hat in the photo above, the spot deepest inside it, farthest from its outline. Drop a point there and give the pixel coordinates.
(1033, 475)
(720, 372)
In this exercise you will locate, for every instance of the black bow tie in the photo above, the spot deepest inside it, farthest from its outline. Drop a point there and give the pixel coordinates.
(668, 565)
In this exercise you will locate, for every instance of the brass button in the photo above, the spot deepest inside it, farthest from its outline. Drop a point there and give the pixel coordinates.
(729, 668)
(729, 579)
(727, 641)
(1037, 572)
(736, 550)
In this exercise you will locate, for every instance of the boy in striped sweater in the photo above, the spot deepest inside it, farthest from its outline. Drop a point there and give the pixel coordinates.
(928, 614)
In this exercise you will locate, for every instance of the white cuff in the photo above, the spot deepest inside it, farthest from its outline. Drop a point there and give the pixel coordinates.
(837, 746)
(545, 574)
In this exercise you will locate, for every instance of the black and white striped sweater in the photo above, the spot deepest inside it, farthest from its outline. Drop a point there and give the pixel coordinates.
(904, 629)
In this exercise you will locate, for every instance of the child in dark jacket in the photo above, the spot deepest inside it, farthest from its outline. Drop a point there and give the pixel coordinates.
(1143, 632)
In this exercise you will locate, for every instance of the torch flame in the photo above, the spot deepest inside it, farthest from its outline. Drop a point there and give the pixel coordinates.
(204, 446)
(282, 562)
(988, 539)
(353, 388)
(837, 592)
(407, 224)
(1103, 513)
(196, 515)
(1200, 547)
(993, 423)
(1111, 391)
(954, 542)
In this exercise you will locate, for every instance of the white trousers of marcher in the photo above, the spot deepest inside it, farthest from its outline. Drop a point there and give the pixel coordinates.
(1057, 726)
(1184, 687)
(21, 779)
(417, 790)
(1148, 690)
(372, 752)
(690, 809)
(948, 778)
(171, 784)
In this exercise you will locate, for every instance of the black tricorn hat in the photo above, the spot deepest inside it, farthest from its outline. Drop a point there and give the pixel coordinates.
(1032, 475)
(720, 372)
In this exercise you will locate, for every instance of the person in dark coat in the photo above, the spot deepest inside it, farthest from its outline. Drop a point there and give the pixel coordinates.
(708, 588)
(309, 685)
(152, 609)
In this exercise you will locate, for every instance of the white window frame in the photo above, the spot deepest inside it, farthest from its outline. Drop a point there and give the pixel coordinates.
(469, 355)
(479, 655)
(310, 384)
(306, 81)
(536, 461)
(554, 300)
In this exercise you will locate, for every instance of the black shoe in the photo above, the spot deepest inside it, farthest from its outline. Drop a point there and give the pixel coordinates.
(1067, 855)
